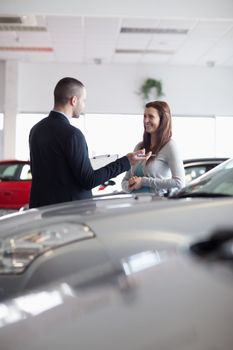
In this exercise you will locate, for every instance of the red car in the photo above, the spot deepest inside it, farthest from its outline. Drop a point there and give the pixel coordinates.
(15, 183)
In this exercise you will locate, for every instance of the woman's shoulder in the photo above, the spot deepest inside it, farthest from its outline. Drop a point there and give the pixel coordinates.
(171, 144)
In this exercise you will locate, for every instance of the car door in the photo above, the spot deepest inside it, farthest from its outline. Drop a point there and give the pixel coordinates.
(15, 184)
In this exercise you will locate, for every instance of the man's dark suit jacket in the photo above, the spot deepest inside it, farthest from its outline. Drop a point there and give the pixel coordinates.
(60, 165)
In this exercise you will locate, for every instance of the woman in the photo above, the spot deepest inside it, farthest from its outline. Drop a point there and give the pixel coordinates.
(164, 170)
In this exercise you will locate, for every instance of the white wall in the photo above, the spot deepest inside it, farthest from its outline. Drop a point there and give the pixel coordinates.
(112, 88)
(2, 87)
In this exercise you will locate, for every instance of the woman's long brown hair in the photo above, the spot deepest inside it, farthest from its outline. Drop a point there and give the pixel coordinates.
(164, 132)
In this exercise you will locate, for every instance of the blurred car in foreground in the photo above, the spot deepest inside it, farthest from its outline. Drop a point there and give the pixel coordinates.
(120, 272)
(15, 183)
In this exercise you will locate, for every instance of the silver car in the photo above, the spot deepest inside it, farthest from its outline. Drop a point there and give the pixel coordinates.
(120, 272)
(217, 182)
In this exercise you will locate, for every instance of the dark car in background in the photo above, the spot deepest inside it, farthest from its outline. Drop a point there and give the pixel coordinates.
(198, 166)
(120, 272)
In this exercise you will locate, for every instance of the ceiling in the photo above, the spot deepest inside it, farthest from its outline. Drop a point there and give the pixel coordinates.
(115, 39)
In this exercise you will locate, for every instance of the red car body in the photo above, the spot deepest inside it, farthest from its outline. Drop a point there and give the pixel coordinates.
(15, 183)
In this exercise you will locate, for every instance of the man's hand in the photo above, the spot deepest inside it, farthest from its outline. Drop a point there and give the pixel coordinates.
(137, 156)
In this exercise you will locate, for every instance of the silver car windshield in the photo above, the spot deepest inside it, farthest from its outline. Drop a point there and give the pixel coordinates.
(218, 181)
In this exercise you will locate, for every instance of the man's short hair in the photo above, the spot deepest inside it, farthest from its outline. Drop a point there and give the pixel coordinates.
(65, 89)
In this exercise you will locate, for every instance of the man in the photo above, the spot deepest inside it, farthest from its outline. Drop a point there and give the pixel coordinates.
(60, 165)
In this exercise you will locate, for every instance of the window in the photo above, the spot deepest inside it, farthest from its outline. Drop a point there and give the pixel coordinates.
(8, 171)
(113, 133)
(224, 140)
(24, 123)
(197, 136)
(1, 121)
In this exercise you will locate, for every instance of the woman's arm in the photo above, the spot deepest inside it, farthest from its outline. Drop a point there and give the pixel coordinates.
(125, 182)
(129, 173)
(175, 164)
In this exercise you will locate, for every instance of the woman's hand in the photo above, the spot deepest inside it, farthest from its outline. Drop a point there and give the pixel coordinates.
(134, 183)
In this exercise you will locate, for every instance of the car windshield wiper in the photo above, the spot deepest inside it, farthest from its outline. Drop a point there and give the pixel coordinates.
(200, 194)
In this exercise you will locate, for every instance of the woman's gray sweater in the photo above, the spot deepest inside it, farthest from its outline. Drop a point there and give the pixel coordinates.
(163, 173)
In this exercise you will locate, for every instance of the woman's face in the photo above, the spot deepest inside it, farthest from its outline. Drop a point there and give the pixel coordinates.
(151, 120)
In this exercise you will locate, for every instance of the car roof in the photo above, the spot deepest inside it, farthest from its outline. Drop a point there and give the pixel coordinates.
(9, 161)
(205, 160)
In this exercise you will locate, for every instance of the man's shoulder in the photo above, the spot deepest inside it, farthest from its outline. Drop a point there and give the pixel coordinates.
(39, 123)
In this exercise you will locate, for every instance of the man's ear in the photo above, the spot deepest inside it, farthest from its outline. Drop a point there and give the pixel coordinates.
(73, 100)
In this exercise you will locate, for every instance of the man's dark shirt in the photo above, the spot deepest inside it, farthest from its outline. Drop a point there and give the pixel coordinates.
(60, 165)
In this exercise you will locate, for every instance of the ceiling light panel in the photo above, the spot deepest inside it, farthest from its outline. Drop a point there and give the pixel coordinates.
(10, 20)
(153, 34)
(138, 51)
(149, 30)
(22, 45)
(21, 28)
(157, 26)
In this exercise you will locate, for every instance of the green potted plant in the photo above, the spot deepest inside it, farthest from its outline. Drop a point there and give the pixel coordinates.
(151, 87)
